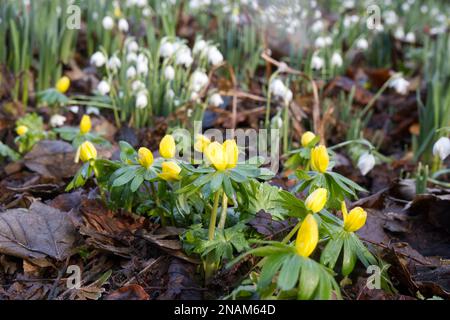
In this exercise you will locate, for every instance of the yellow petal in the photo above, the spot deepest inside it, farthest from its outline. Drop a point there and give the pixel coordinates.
(170, 171)
(21, 130)
(307, 137)
(63, 84)
(85, 124)
(167, 147)
(355, 219)
(215, 154)
(87, 151)
(145, 157)
(319, 159)
(231, 153)
(316, 201)
(201, 142)
(307, 237)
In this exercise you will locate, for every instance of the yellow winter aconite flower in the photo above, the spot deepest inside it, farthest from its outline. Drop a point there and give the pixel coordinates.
(222, 156)
(85, 124)
(167, 147)
(21, 130)
(354, 220)
(63, 84)
(117, 12)
(317, 200)
(319, 159)
(231, 153)
(145, 157)
(170, 171)
(307, 237)
(307, 137)
(201, 142)
(87, 151)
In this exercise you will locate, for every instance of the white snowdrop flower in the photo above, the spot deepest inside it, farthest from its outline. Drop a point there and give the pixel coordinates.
(169, 73)
(137, 86)
(336, 60)
(141, 100)
(166, 50)
(132, 57)
(199, 79)
(98, 59)
(114, 63)
(276, 122)
(406, 6)
(410, 37)
(194, 96)
(132, 46)
(362, 44)
(400, 85)
(317, 14)
(288, 95)
(399, 33)
(95, 16)
(103, 88)
(142, 64)
(147, 12)
(366, 163)
(424, 9)
(214, 56)
(170, 94)
(108, 23)
(189, 111)
(216, 100)
(123, 25)
(390, 17)
(93, 110)
(57, 120)
(277, 87)
(320, 42)
(349, 4)
(141, 3)
(131, 72)
(199, 46)
(317, 62)
(442, 148)
(317, 26)
(74, 109)
(350, 20)
(183, 57)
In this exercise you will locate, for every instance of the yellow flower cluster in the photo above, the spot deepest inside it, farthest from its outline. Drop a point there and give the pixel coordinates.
(221, 156)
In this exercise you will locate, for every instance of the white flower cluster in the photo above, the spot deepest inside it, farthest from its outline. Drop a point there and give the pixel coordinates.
(279, 89)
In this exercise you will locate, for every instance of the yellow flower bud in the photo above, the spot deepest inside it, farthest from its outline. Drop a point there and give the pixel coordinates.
(117, 12)
(85, 124)
(215, 154)
(201, 143)
(319, 159)
(63, 84)
(317, 200)
(87, 151)
(145, 157)
(170, 171)
(307, 237)
(231, 152)
(21, 130)
(167, 147)
(307, 137)
(354, 220)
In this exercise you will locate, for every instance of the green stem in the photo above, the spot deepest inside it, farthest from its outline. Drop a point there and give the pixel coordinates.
(223, 215)
(291, 234)
(213, 218)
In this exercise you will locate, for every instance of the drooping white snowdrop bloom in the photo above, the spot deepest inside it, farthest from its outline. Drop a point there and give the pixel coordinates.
(169, 73)
(74, 109)
(108, 23)
(277, 87)
(216, 100)
(199, 47)
(132, 57)
(137, 86)
(366, 163)
(132, 46)
(410, 37)
(350, 20)
(98, 59)
(142, 64)
(184, 57)
(362, 44)
(147, 12)
(399, 33)
(103, 88)
(123, 25)
(317, 62)
(349, 4)
(390, 17)
(442, 148)
(288, 95)
(336, 60)
(93, 110)
(114, 63)
(317, 26)
(57, 120)
(215, 57)
(400, 85)
(131, 72)
(141, 3)
(199, 79)
(141, 100)
(166, 50)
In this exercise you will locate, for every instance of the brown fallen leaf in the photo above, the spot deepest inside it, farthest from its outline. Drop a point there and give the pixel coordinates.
(36, 234)
(130, 292)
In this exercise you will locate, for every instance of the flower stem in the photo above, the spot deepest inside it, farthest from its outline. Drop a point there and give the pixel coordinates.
(291, 234)
(213, 219)
(223, 215)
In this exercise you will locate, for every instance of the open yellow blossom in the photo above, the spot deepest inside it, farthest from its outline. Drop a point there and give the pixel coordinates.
(170, 171)
(63, 84)
(201, 142)
(85, 124)
(222, 156)
(145, 157)
(354, 220)
(307, 137)
(319, 159)
(167, 147)
(307, 237)
(316, 201)
(21, 130)
(87, 151)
